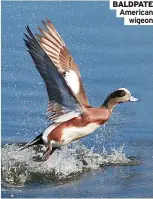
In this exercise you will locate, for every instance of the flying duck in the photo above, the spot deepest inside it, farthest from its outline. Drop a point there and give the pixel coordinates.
(71, 115)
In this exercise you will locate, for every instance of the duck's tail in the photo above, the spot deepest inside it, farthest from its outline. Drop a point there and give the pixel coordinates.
(37, 140)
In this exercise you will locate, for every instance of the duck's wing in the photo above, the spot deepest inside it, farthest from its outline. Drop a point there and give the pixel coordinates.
(56, 49)
(63, 104)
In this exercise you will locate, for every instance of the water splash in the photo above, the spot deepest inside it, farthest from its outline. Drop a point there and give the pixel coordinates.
(24, 167)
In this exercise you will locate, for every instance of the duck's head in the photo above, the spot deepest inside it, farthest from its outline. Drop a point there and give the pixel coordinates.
(119, 96)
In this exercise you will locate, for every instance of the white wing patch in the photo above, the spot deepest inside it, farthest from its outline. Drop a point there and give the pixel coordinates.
(73, 81)
(67, 116)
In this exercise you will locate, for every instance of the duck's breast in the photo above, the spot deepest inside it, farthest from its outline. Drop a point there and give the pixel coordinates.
(72, 133)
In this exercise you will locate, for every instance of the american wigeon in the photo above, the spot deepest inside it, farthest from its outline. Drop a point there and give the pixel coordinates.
(71, 115)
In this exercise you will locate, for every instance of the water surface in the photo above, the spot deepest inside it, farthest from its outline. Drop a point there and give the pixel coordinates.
(109, 56)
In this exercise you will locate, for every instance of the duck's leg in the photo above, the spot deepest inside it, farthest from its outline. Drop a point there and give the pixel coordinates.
(48, 151)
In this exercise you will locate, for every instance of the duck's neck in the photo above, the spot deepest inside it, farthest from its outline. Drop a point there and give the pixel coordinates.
(109, 104)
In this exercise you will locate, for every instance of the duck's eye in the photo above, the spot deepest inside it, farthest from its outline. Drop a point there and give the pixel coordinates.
(123, 93)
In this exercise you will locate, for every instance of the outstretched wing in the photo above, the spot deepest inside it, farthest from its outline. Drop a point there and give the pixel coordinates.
(56, 49)
(62, 100)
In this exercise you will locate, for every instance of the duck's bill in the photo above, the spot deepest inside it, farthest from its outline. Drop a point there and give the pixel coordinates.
(133, 99)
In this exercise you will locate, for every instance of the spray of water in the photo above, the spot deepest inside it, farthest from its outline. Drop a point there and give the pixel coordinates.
(24, 167)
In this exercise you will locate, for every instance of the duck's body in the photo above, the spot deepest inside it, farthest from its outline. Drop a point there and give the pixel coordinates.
(77, 127)
(71, 115)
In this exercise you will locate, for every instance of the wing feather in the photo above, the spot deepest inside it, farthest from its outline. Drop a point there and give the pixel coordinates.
(56, 49)
(61, 98)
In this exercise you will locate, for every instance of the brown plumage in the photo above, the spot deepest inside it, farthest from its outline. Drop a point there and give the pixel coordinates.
(58, 52)
(71, 114)
(92, 115)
